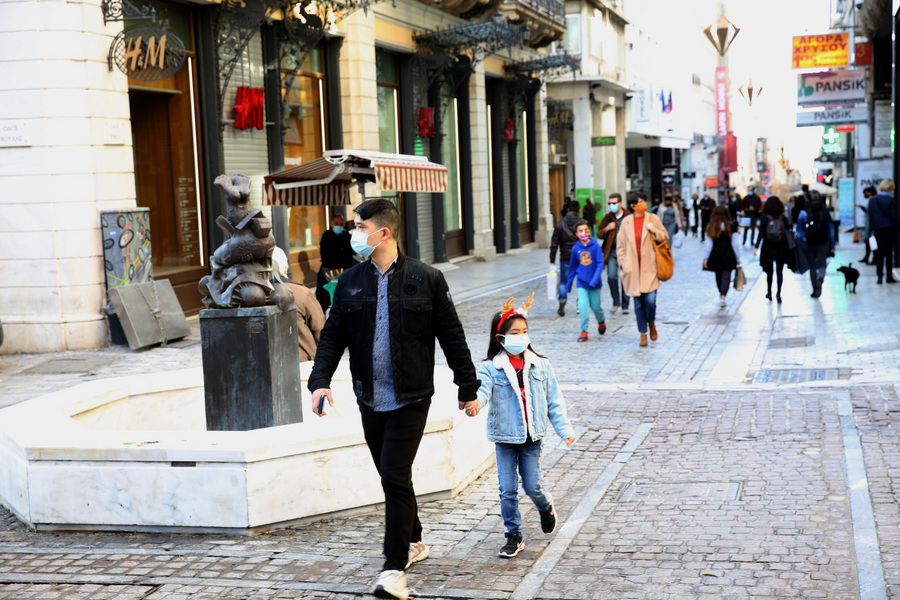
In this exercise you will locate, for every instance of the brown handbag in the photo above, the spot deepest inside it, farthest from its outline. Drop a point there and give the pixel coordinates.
(665, 265)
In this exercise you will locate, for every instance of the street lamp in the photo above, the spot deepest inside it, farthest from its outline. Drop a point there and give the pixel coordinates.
(749, 95)
(726, 31)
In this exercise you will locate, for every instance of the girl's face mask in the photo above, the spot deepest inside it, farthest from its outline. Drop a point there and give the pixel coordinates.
(515, 344)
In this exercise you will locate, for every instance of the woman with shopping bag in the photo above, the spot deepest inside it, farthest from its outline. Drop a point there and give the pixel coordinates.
(722, 250)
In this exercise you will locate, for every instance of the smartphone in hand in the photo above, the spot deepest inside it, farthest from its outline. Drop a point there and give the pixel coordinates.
(321, 404)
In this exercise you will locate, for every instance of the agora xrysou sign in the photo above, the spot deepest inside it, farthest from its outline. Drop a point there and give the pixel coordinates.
(820, 51)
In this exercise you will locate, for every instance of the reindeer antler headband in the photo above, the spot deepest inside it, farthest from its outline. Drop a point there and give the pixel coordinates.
(508, 311)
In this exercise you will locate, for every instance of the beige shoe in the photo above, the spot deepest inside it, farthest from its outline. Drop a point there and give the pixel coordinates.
(417, 551)
(391, 584)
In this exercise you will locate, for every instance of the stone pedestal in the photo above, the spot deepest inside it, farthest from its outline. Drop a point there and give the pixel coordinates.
(251, 368)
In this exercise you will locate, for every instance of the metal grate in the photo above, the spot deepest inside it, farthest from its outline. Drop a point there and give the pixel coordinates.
(799, 375)
(791, 342)
(679, 492)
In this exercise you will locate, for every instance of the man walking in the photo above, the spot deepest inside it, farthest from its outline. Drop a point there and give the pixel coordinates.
(707, 205)
(564, 239)
(608, 231)
(336, 255)
(750, 205)
(388, 312)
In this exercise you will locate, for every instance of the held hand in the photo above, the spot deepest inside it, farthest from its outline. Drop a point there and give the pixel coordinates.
(316, 397)
(704, 265)
(472, 408)
(609, 227)
(570, 441)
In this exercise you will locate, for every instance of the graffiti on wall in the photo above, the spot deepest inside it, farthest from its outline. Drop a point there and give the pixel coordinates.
(126, 246)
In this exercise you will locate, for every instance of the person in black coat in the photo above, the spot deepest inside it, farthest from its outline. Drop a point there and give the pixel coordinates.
(336, 255)
(773, 234)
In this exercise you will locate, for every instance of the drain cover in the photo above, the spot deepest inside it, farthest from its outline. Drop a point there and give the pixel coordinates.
(798, 375)
(791, 342)
(68, 366)
(678, 492)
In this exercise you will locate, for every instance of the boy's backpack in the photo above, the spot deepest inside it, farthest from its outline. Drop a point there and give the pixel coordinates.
(817, 225)
(775, 231)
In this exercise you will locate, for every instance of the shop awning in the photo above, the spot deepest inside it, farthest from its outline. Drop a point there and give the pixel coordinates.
(326, 181)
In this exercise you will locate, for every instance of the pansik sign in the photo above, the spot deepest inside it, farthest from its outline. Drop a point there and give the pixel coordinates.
(832, 116)
(821, 51)
(831, 87)
(721, 101)
(147, 54)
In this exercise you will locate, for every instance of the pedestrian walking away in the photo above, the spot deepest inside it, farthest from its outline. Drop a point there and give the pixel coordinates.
(589, 214)
(695, 206)
(883, 222)
(815, 235)
(608, 231)
(336, 255)
(773, 237)
(310, 318)
(521, 392)
(721, 251)
(563, 239)
(750, 207)
(636, 249)
(868, 193)
(586, 266)
(670, 215)
(388, 311)
(707, 205)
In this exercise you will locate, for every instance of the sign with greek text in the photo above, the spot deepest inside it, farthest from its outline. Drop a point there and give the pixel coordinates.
(147, 54)
(831, 87)
(832, 116)
(14, 134)
(821, 51)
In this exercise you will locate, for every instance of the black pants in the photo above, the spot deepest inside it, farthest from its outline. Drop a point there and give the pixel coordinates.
(767, 266)
(884, 255)
(704, 223)
(753, 229)
(723, 281)
(393, 438)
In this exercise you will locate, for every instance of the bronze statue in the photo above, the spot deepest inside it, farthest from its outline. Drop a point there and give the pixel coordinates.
(241, 272)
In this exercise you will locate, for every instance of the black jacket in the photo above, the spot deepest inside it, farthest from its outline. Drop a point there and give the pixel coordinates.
(420, 310)
(564, 238)
(335, 250)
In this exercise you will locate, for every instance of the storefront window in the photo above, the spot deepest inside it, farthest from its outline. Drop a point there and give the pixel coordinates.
(450, 157)
(388, 101)
(303, 120)
(522, 166)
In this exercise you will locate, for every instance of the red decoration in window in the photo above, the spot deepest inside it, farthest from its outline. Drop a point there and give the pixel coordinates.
(426, 122)
(249, 108)
(509, 130)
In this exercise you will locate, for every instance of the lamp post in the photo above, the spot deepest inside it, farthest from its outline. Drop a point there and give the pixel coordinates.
(751, 92)
(725, 32)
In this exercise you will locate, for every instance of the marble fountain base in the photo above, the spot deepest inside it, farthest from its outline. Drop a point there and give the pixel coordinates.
(133, 454)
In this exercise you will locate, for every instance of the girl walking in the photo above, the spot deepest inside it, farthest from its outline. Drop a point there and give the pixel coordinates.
(773, 231)
(722, 250)
(522, 394)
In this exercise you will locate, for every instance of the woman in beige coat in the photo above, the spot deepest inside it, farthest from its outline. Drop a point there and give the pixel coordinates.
(638, 266)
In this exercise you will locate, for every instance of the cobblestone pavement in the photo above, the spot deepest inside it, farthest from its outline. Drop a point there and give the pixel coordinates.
(720, 462)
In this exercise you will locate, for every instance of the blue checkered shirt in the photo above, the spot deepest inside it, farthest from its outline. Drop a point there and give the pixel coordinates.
(384, 396)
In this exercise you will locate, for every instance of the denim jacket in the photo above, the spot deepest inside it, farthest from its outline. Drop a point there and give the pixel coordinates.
(544, 401)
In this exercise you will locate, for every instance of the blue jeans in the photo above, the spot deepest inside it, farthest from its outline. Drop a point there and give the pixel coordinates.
(589, 300)
(526, 459)
(563, 291)
(616, 289)
(817, 255)
(645, 310)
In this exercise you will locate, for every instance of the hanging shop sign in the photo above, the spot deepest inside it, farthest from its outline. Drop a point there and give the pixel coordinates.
(721, 101)
(862, 54)
(147, 54)
(832, 116)
(831, 87)
(603, 140)
(821, 51)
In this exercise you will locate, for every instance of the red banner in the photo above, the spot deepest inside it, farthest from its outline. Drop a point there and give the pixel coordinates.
(729, 154)
(721, 101)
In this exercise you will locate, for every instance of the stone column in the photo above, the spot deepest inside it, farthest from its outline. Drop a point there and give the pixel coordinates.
(359, 88)
(583, 127)
(545, 217)
(73, 159)
(481, 172)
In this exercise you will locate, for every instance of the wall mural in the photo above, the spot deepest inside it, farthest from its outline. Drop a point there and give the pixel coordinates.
(126, 246)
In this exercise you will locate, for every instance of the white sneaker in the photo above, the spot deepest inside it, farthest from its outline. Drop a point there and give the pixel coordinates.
(613, 310)
(417, 551)
(391, 584)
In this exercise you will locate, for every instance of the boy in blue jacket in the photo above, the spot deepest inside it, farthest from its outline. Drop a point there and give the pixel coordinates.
(586, 265)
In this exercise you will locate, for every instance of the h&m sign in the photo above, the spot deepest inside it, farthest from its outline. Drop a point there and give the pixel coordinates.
(147, 54)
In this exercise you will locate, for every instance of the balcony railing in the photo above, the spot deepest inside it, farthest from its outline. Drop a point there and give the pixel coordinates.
(546, 19)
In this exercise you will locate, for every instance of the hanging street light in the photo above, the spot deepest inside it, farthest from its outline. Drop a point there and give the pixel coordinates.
(751, 92)
(725, 33)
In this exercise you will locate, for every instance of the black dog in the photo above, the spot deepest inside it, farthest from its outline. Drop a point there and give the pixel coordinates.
(851, 276)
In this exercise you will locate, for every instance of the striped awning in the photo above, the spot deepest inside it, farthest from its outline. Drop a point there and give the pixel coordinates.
(326, 181)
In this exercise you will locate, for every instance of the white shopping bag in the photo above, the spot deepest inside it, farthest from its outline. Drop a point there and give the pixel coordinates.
(677, 239)
(873, 243)
(551, 283)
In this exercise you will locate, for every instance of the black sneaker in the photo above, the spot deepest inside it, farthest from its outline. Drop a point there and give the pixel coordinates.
(514, 545)
(548, 520)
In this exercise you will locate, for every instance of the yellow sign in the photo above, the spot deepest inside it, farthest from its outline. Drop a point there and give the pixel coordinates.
(821, 51)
